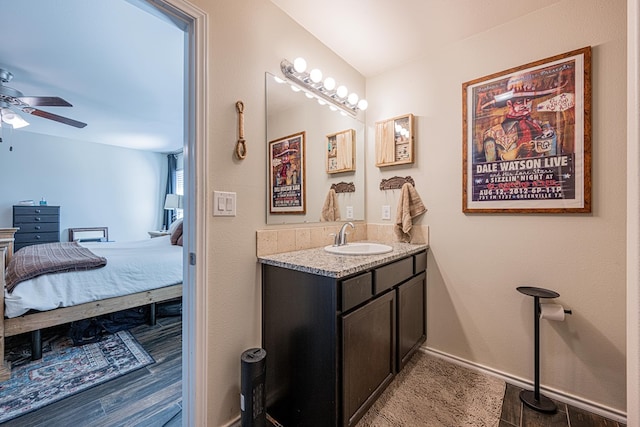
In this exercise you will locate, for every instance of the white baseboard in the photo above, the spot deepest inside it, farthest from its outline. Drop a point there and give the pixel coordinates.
(558, 395)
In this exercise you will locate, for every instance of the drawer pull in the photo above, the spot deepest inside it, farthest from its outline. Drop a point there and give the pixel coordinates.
(37, 237)
(38, 211)
(37, 227)
(37, 218)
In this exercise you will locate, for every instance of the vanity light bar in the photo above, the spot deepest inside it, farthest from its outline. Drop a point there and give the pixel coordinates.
(311, 82)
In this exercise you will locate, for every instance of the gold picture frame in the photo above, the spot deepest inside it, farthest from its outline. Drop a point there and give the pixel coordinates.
(527, 138)
(395, 141)
(341, 154)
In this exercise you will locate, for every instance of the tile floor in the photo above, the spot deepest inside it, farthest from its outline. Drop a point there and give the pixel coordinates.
(516, 414)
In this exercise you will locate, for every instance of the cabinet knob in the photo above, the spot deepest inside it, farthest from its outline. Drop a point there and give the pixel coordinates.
(37, 227)
(37, 237)
(38, 211)
(37, 218)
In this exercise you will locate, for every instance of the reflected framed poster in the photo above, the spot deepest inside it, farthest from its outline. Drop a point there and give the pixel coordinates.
(287, 175)
(527, 138)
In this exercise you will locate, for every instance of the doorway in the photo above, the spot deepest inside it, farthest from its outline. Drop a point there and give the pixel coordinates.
(193, 22)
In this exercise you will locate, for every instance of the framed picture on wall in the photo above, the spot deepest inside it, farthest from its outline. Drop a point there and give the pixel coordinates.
(527, 138)
(287, 175)
(394, 141)
(341, 151)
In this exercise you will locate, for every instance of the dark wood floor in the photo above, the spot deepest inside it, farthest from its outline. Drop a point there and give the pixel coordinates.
(151, 396)
(516, 414)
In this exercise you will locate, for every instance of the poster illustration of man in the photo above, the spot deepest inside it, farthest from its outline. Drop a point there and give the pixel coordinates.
(523, 135)
(287, 167)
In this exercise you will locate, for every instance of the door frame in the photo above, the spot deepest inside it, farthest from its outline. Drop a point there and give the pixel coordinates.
(194, 22)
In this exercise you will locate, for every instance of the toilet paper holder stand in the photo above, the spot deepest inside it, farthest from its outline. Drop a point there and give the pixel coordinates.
(534, 399)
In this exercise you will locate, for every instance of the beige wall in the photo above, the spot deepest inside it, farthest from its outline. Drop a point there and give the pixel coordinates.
(247, 38)
(477, 261)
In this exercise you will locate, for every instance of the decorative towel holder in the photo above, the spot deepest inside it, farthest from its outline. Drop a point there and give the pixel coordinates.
(344, 187)
(395, 183)
(241, 145)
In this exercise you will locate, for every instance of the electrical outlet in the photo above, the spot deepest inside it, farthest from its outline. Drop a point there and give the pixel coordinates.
(349, 212)
(386, 212)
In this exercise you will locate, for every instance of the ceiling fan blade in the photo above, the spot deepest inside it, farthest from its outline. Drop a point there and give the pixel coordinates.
(45, 101)
(57, 118)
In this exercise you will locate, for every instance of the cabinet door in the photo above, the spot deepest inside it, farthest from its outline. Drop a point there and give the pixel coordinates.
(411, 317)
(368, 352)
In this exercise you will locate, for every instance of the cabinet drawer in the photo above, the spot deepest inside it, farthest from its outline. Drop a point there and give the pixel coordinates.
(37, 237)
(38, 227)
(36, 210)
(419, 262)
(25, 219)
(392, 274)
(356, 290)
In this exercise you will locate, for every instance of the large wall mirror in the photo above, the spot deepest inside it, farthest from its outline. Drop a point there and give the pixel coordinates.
(290, 114)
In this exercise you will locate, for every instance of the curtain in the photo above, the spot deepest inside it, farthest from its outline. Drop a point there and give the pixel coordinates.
(172, 163)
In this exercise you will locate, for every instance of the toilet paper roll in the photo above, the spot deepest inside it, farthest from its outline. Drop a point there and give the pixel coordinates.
(552, 312)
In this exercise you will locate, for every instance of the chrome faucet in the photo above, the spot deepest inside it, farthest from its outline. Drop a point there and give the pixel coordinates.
(341, 238)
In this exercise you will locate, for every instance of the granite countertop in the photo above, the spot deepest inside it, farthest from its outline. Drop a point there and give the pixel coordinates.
(318, 261)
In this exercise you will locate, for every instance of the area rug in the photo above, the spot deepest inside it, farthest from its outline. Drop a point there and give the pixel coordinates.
(432, 392)
(65, 370)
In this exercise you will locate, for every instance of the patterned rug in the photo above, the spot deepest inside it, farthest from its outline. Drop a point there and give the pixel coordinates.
(65, 370)
(432, 392)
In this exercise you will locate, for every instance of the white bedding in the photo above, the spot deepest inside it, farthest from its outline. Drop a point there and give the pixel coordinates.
(131, 267)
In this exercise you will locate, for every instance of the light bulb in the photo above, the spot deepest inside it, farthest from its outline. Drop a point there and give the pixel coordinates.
(329, 83)
(295, 88)
(308, 95)
(300, 65)
(353, 98)
(363, 104)
(342, 91)
(315, 75)
(321, 102)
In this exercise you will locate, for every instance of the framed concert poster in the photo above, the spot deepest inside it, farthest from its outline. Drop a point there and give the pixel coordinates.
(287, 175)
(527, 138)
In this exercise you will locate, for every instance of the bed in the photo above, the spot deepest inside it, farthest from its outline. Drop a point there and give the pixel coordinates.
(136, 273)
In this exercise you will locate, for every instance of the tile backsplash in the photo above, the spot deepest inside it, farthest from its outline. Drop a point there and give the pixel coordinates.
(273, 241)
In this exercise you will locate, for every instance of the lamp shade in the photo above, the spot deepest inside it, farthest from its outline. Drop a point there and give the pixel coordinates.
(173, 201)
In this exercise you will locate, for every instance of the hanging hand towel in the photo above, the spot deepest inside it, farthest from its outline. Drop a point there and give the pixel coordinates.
(330, 209)
(409, 207)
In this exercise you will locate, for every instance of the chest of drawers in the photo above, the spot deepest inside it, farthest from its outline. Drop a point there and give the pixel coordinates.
(38, 224)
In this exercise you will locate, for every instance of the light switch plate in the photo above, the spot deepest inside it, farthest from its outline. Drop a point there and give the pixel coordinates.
(224, 203)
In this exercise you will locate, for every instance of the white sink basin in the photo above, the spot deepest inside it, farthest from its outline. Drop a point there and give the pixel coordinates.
(364, 248)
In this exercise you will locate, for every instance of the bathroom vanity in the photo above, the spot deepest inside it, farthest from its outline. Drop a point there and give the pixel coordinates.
(337, 329)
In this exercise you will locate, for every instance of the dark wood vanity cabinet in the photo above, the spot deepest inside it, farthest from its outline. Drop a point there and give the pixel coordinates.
(334, 345)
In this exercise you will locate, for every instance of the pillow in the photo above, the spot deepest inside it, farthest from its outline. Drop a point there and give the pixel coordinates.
(177, 234)
(175, 225)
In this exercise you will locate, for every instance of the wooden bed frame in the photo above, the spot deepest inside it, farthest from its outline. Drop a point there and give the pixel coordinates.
(39, 320)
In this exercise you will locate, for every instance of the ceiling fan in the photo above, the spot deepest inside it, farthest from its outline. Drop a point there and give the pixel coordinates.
(12, 100)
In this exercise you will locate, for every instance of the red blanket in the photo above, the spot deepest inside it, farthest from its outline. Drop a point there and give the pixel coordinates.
(36, 260)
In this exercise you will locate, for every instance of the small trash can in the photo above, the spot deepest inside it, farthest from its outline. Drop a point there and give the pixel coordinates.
(252, 392)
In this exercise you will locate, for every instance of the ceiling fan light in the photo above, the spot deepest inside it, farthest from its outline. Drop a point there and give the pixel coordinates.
(13, 119)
